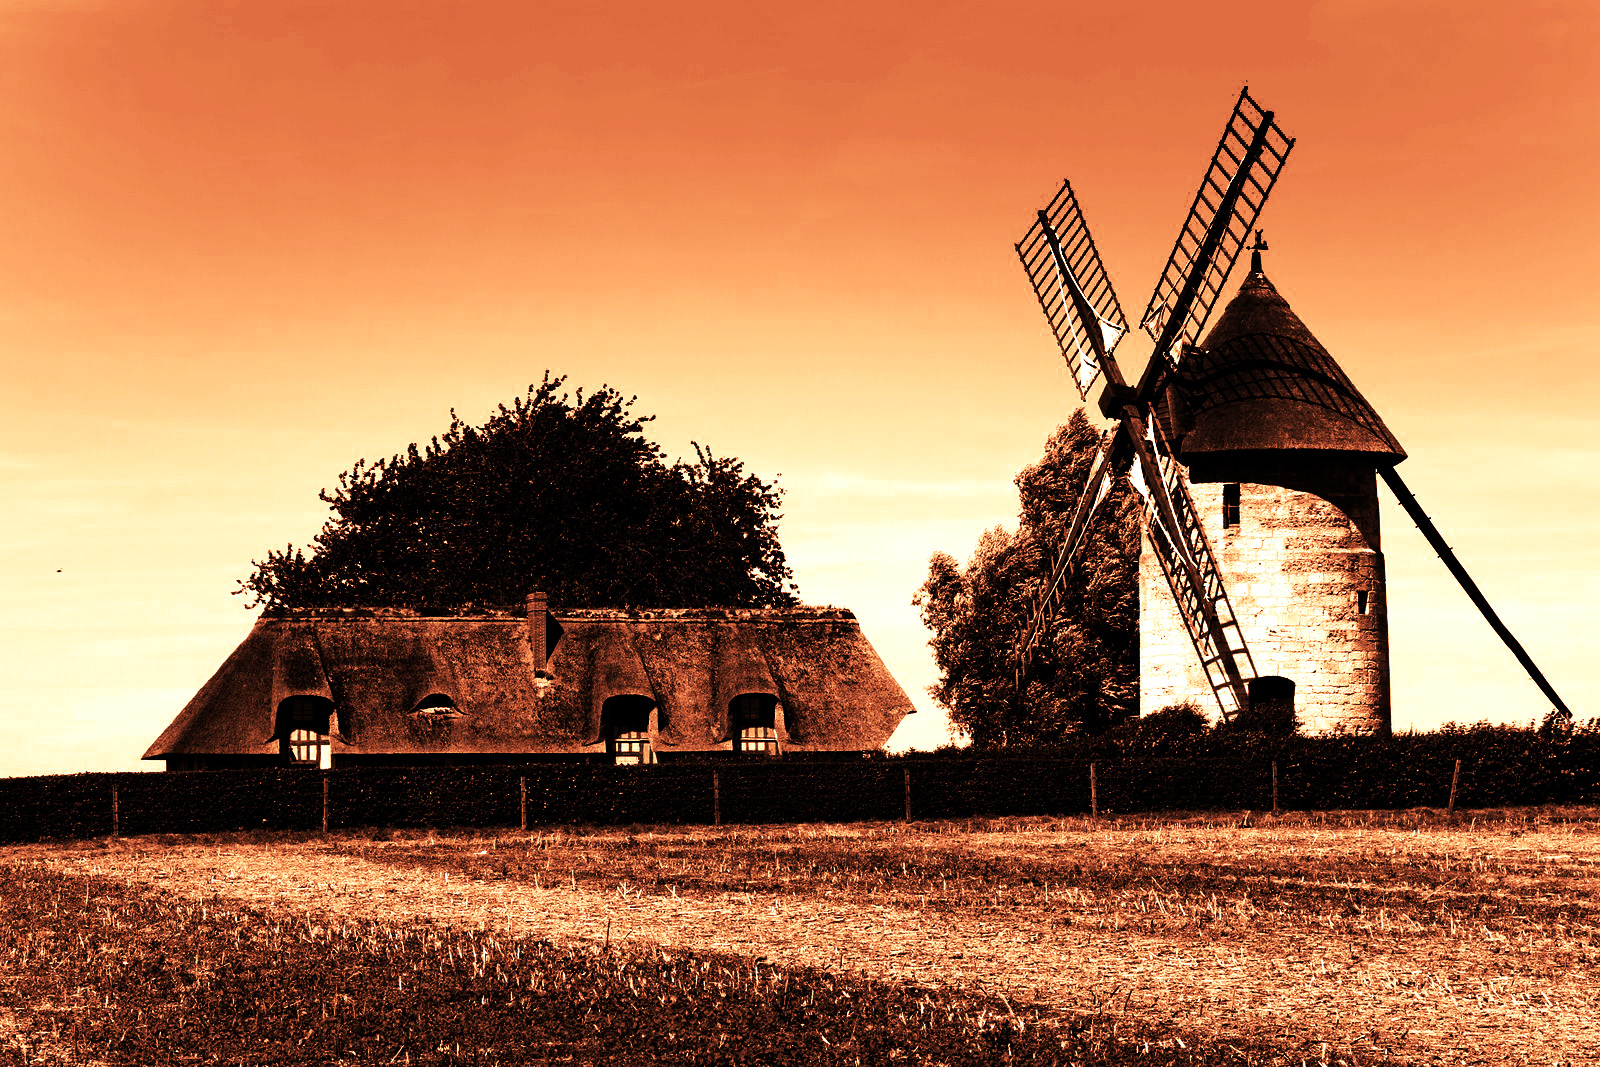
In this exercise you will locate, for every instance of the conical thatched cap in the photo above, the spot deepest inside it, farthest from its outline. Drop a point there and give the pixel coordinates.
(1264, 384)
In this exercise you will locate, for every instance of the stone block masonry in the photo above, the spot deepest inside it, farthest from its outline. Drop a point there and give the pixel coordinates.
(1308, 590)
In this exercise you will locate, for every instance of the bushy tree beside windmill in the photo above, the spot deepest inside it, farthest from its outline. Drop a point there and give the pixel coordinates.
(1084, 676)
(556, 492)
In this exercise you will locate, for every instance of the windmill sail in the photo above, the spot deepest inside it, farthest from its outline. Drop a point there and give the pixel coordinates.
(1064, 268)
(1095, 489)
(1070, 282)
(1243, 170)
(1181, 547)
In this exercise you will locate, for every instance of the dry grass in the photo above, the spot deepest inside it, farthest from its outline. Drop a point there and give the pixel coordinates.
(1344, 936)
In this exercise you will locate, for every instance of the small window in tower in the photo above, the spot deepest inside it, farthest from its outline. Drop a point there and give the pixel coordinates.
(1361, 601)
(1230, 505)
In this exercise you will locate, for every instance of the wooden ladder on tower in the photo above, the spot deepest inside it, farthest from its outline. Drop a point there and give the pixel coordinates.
(1226, 666)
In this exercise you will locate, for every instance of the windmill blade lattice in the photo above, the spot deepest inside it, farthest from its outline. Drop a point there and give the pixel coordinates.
(1070, 282)
(1095, 489)
(1243, 170)
(1064, 268)
(1191, 571)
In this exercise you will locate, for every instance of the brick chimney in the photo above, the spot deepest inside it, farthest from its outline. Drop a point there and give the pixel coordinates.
(538, 609)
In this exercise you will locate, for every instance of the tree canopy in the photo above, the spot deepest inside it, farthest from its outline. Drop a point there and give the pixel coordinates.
(556, 493)
(1084, 674)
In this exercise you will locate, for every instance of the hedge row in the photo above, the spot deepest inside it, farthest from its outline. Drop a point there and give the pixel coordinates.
(1500, 767)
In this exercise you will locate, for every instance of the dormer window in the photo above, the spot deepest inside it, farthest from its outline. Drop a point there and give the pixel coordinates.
(625, 726)
(302, 731)
(755, 725)
(438, 705)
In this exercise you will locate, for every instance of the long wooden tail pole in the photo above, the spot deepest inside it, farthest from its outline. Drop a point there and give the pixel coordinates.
(1431, 532)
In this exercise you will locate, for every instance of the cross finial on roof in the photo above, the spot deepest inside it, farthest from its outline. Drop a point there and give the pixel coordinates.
(1255, 252)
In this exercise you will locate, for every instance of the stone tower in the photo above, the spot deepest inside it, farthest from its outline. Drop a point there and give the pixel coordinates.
(1282, 454)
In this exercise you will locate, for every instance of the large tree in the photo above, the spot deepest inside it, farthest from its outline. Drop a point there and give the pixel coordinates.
(556, 493)
(1084, 674)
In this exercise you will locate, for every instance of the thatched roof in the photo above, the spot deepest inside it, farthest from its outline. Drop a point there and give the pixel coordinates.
(406, 683)
(1263, 383)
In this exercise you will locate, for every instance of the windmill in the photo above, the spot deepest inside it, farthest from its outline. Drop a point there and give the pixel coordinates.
(1263, 405)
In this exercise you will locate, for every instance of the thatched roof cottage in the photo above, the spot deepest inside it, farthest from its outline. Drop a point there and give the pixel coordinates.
(376, 687)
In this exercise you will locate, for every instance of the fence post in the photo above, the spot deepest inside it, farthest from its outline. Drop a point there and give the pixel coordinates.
(1275, 809)
(1094, 792)
(324, 802)
(716, 799)
(116, 814)
(1455, 785)
(524, 788)
(907, 770)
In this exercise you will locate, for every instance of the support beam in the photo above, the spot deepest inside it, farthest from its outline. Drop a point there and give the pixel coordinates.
(1431, 532)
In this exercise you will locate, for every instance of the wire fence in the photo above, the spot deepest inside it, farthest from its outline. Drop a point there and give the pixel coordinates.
(1470, 770)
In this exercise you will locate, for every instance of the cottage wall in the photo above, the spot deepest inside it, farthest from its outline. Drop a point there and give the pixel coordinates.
(1295, 568)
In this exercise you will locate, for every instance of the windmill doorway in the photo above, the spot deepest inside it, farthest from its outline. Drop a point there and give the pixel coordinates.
(1272, 706)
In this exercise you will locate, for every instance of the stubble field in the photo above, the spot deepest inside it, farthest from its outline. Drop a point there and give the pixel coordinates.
(1355, 937)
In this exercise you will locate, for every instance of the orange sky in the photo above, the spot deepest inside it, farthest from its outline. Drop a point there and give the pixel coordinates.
(245, 244)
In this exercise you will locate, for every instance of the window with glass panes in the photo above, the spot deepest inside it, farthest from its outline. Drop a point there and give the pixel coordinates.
(303, 723)
(305, 746)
